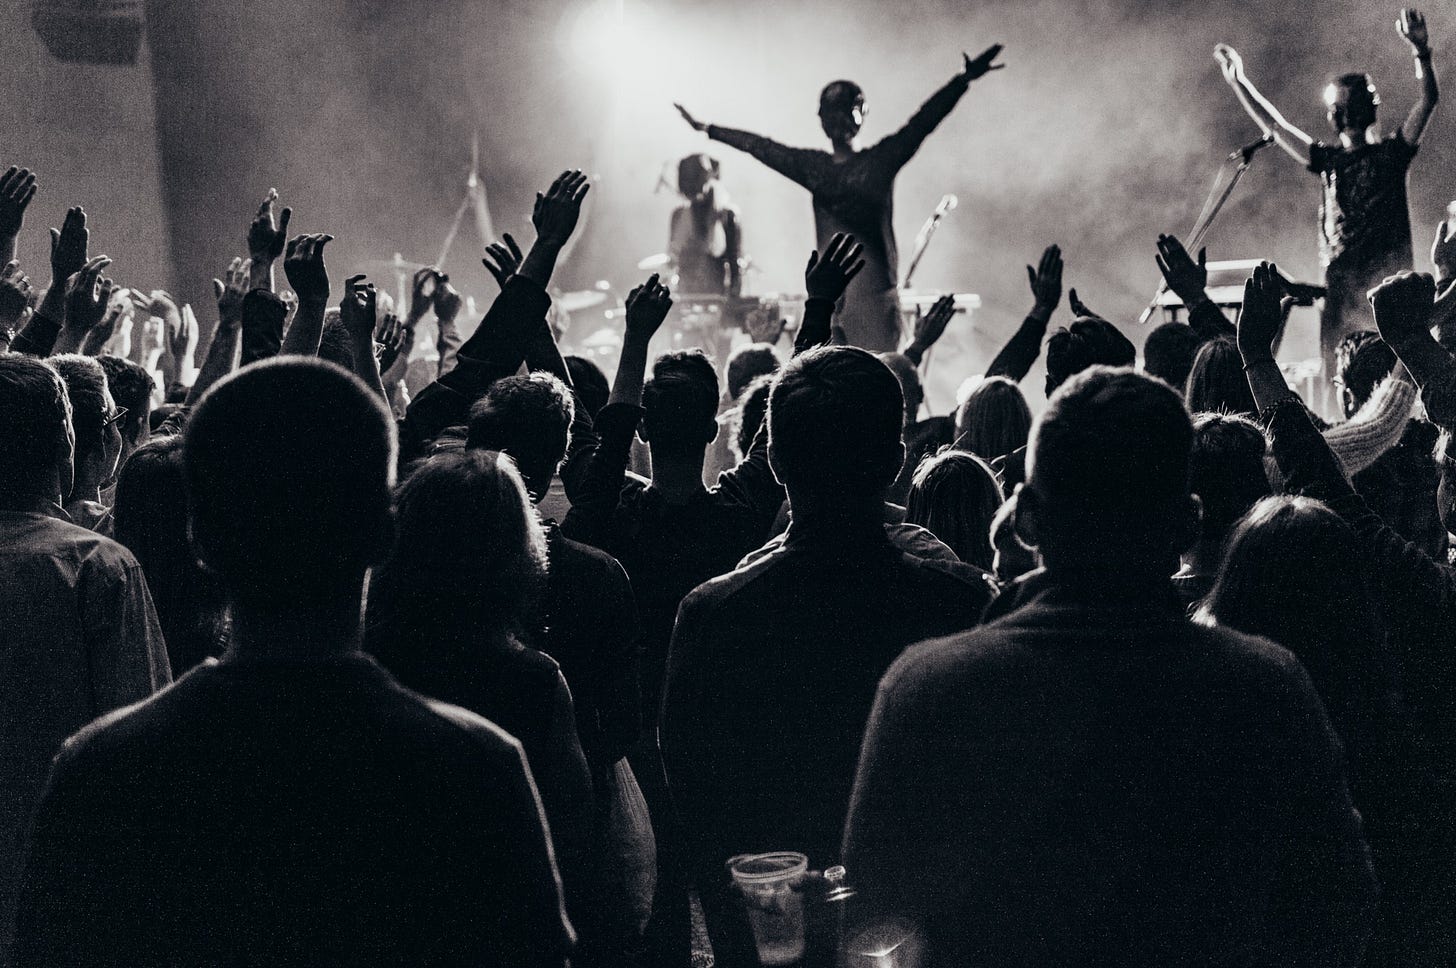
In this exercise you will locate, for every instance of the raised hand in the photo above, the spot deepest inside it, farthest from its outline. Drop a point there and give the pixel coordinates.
(930, 327)
(422, 292)
(1187, 279)
(1443, 251)
(15, 296)
(388, 340)
(181, 339)
(17, 188)
(447, 300)
(1412, 26)
(1046, 280)
(118, 310)
(1260, 316)
(647, 306)
(981, 64)
(358, 307)
(556, 212)
(230, 292)
(88, 293)
(304, 267)
(1229, 62)
(1079, 308)
(265, 238)
(1403, 304)
(693, 122)
(765, 325)
(165, 307)
(827, 276)
(503, 261)
(68, 245)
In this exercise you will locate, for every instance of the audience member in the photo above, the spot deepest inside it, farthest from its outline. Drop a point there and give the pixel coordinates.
(1168, 353)
(1216, 382)
(131, 389)
(994, 420)
(745, 365)
(1188, 801)
(94, 418)
(290, 802)
(1226, 472)
(955, 497)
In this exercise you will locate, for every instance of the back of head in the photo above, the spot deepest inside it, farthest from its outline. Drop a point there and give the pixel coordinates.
(289, 467)
(131, 387)
(589, 382)
(752, 409)
(1362, 360)
(335, 346)
(1107, 472)
(35, 443)
(86, 386)
(681, 405)
(748, 363)
(911, 388)
(1293, 573)
(1168, 353)
(528, 417)
(954, 496)
(994, 420)
(1089, 341)
(835, 417)
(1217, 384)
(470, 559)
(1226, 470)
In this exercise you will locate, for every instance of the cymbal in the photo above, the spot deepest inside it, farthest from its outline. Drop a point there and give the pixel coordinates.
(572, 302)
(653, 262)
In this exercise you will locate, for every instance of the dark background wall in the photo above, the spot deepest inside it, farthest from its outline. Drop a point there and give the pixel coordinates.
(1105, 128)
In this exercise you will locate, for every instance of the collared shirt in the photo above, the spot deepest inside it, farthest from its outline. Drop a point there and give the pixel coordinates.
(78, 638)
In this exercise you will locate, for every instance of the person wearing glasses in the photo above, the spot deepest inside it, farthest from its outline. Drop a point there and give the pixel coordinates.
(96, 421)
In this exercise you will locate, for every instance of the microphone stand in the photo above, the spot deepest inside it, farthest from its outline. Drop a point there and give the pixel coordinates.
(1212, 205)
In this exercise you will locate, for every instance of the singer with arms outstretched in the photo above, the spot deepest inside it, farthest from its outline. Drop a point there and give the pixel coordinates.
(1365, 232)
(854, 189)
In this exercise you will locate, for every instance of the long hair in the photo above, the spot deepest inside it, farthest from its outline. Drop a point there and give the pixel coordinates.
(954, 496)
(1293, 573)
(1217, 384)
(994, 420)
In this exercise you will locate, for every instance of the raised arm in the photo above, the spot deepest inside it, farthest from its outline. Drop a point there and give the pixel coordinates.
(265, 242)
(224, 351)
(1189, 282)
(17, 188)
(1412, 26)
(792, 163)
(825, 279)
(903, 144)
(1270, 121)
(309, 277)
(1403, 307)
(1021, 350)
(69, 246)
(359, 312)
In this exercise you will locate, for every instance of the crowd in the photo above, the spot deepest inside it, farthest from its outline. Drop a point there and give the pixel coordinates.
(322, 650)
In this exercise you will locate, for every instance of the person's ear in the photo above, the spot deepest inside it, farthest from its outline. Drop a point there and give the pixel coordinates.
(1187, 524)
(1027, 522)
(711, 429)
(1347, 397)
(66, 459)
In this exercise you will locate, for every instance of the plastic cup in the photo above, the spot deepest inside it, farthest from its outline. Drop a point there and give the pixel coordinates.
(769, 884)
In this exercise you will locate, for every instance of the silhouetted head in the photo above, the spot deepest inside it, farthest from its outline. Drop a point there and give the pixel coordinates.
(994, 420)
(1089, 341)
(335, 344)
(695, 173)
(589, 382)
(1352, 101)
(1226, 471)
(94, 417)
(289, 467)
(954, 496)
(911, 388)
(752, 408)
(1362, 360)
(841, 111)
(37, 445)
(131, 387)
(1217, 383)
(680, 404)
(748, 363)
(1168, 353)
(529, 418)
(1107, 476)
(835, 417)
(1294, 573)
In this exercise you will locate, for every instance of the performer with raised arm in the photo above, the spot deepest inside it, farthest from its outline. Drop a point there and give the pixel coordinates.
(854, 189)
(1365, 232)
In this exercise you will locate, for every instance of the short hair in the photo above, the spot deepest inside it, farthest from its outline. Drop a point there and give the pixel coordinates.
(746, 364)
(35, 433)
(335, 344)
(589, 382)
(752, 408)
(1352, 100)
(954, 496)
(681, 402)
(86, 386)
(131, 387)
(835, 417)
(1217, 383)
(1362, 360)
(1089, 341)
(289, 467)
(1109, 451)
(1226, 470)
(841, 96)
(1168, 353)
(528, 417)
(470, 557)
(994, 420)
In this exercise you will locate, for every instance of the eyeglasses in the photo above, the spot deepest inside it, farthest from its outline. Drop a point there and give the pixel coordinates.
(114, 417)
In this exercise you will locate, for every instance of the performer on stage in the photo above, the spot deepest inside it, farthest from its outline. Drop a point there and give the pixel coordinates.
(706, 241)
(854, 189)
(1365, 232)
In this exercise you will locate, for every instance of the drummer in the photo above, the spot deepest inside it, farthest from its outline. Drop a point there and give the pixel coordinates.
(705, 241)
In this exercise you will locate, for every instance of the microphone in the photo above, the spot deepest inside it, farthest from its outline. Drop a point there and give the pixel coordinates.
(1248, 150)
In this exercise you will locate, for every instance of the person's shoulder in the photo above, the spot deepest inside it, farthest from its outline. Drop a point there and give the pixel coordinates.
(585, 560)
(492, 741)
(721, 591)
(138, 725)
(1250, 659)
